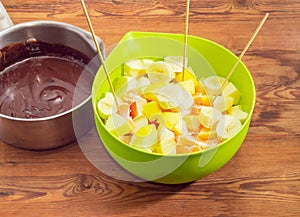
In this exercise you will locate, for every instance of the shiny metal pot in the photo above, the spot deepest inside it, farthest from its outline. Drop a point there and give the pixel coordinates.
(58, 130)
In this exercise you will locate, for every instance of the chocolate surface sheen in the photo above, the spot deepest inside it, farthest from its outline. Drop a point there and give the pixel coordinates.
(38, 79)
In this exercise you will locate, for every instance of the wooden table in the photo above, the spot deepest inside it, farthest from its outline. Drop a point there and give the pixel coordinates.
(262, 179)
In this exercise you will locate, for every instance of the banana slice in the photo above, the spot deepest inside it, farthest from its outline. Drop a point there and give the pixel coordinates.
(146, 137)
(160, 72)
(106, 106)
(176, 63)
(227, 127)
(209, 116)
(223, 103)
(213, 85)
(137, 67)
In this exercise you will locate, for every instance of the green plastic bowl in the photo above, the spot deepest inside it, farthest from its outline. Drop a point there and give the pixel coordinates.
(206, 58)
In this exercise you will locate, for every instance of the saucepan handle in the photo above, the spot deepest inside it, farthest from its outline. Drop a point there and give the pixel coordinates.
(5, 20)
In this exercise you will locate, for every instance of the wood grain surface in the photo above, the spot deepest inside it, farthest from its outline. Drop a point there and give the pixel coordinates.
(262, 179)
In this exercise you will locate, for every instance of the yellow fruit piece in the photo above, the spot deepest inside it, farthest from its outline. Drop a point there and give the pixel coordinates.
(209, 116)
(206, 100)
(189, 85)
(206, 133)
(238, 112)
(139, 122)
(146, 137)
(170, 120)
(136, 67)
(223, 103)
(192, 122)
(188, 74)
(151, 108)
(187, 141)
(125, 84)
(178, 128)
(166, 140)
(106, 106)
(230, 90)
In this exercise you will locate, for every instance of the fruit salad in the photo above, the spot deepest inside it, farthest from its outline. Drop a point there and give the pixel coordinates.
(161, 111)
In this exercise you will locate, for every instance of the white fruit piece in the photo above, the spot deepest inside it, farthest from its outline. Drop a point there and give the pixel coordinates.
(212, 85)
(192, 123)
(176, 62)
(222, 103)
(230, 90)
(160, 72)
(147, 63)
(165, 94)
(106, 106)
(124, 110)
(166, 140)
(139, 122)
(146, 137)
(175, 97)
(118, 125)
(238, 112)
(170, 120)
(188, 85)
(209, 116)
(142, 83)
(227, 127)
(124, 85)
(151, 108)
(137, 67)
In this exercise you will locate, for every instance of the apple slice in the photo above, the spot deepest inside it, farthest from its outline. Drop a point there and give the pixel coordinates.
(238, 112)
(137, 67)
(230, 90)
(136, 107)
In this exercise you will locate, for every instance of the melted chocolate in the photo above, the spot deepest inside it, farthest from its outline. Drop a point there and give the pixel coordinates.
(39, 79)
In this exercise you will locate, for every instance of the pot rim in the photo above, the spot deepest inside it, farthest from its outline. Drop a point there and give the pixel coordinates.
(59, 25)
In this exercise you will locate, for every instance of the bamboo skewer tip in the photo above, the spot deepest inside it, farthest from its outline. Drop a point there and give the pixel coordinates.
(99, 51)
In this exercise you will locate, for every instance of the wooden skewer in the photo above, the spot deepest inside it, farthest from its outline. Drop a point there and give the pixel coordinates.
(186, 29)
(245, 50)
(243, 53)
(99, 51)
